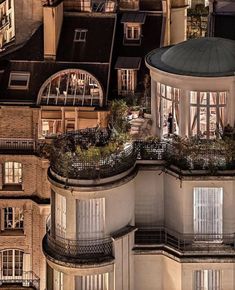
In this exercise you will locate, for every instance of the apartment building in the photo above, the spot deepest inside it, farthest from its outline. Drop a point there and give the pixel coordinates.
(7, 22)
(137, 218)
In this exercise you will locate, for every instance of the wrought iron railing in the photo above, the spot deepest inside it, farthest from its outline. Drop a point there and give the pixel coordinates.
(27, 279)
(77, 248)
(189, 242)
(17, 144)
(204, 156)
(80, 249)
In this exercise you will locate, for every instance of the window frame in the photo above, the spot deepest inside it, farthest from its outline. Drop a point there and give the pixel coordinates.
(207, 279)
(18, 86)
(16, 212)
(81, 33)
(14, 177)
(10, 262)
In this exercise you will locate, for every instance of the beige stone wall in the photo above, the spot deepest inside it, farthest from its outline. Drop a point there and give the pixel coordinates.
(149, 198)
(159, 272)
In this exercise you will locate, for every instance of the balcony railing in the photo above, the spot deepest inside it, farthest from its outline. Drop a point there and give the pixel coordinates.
(185, 243)
(82, 250)
(209, 156)
(27, 279)
(17, 144)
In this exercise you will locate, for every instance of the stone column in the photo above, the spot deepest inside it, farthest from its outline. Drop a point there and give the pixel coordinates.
(154, 107)
(230, 106)
(63, 120)
(71, 232)
(184, 116)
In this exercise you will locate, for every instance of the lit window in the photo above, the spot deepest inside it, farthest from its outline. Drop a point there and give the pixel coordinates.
(19, 80)
(207, 113)
(80, 35)
(12, 264)
(13, 218)
(126, 81)
(207, 280)
(132, 31)
(12, 173)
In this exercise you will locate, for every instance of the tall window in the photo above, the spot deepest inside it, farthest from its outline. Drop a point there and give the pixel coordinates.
(168, 108)
(94, 282)
(12, 172)
(208, 219)
(58, 280)
(126, 81)
(60, 215)
(12, 264)
(207, 113)
(13, 218)
(207, 280)
(90, 218)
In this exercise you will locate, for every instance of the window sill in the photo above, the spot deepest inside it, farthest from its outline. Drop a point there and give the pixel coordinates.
(12, 187)
(12, 233)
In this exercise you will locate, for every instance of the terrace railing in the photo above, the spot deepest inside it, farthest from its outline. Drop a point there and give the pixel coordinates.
(26, 279)
(17, 144)
(190, 242)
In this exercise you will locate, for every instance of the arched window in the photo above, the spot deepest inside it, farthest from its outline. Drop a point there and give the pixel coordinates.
(71, 87)
(207, 113)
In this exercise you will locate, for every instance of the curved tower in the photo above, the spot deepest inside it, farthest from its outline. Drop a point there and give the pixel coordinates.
(92, 212)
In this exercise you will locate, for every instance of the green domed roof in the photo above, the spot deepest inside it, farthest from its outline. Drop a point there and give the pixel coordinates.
(204, 57)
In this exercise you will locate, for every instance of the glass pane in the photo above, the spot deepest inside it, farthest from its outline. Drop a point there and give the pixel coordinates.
(193, 97)
(213, 99)
(203, 122)
(212, 124)
(203, 98)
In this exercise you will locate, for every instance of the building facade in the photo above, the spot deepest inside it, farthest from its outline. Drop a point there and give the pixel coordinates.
(133, 218)
(7, 22)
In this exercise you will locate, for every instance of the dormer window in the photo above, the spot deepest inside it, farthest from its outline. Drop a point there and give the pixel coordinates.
(19, 80)
(80, 35)
(132, 31)
(132, 28)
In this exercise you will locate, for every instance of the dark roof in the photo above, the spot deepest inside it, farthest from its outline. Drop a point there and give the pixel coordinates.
(30, 50)
(128, 63)
(224, 26)
(39, 73)
(133, 17)
(150, 5)
(151, 38)
(203, 57)
(98, 44)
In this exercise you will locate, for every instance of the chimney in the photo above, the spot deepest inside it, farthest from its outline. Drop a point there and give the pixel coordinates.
(52, 20)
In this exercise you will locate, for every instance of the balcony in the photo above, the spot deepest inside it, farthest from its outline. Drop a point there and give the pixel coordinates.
(77, 251)
(13, 145)
(90, 155)
(188, 156)
(185, 244)
(28, 280)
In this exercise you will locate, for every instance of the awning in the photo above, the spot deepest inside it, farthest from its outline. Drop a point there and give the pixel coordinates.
(133, 18)
(124, 62)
